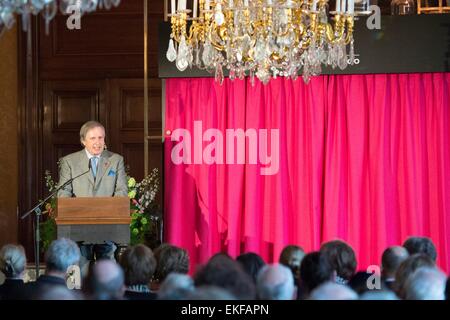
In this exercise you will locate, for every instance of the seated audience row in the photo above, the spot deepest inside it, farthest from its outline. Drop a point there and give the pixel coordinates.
(407, 272)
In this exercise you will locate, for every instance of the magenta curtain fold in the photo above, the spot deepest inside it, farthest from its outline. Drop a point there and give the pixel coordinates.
(363, 158)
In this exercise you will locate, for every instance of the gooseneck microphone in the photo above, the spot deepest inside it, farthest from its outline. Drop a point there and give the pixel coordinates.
(56, 190)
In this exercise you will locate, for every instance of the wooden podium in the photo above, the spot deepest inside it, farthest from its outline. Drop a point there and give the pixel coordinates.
(94, 220)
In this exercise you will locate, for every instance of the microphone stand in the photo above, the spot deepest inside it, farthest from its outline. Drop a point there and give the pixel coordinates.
(38, 212)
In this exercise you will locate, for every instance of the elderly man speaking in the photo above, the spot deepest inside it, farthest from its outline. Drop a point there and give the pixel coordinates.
(107, 171)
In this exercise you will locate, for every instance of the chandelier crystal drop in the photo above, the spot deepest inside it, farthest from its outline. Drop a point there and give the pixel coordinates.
(262, 38)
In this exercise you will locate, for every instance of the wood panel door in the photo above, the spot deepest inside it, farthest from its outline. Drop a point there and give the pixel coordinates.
(67, 105)
(126, 116)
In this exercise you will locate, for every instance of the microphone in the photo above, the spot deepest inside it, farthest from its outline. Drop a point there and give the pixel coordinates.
(56, 191)
(71, 179)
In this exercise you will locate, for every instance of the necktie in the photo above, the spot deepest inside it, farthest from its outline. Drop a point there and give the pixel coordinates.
(94, 166)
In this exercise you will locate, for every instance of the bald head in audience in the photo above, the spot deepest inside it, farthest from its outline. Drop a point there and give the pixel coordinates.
(107, 281)
(426, 283)
(333, 291)
(391, 260)
(275, 282)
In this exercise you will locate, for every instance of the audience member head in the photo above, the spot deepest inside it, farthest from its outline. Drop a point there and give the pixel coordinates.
(407, 268)
(171, 259)
(159, 249)
(425, 284)
(421, 245)
(176, 286)
(315, 270)
(342, 259)
(292, 257)
(218, 257)
(106, 281)
(391, 259)
(251, 263)
(138, 264)
(60, 255)
(210, 293)
(12, 261)
(226, 273)
(378, 295)
(358, 282)
(275, 282)
(333, 291)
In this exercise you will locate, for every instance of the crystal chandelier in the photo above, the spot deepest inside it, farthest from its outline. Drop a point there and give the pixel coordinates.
(47, 8)
(262, 38)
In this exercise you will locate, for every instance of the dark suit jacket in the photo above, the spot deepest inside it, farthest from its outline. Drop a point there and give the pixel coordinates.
(14, 289)
(43, 283)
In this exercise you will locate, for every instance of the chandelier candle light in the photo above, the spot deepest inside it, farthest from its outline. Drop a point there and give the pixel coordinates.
(262, 38)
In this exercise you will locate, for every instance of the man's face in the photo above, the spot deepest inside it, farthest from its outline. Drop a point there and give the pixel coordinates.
(94, 141)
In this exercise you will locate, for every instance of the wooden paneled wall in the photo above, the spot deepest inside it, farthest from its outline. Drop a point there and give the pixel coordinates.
(72, 76)
(8, 137)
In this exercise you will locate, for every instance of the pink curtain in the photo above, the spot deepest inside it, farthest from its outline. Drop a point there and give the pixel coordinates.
(362, 158)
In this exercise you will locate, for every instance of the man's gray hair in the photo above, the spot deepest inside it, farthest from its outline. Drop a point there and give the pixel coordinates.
(61, 254)
(88, 126)
(378, 295)
(107, 280)
(333, 291)
(275, 282)
(426, 284)
(12, 260)
(176, 286)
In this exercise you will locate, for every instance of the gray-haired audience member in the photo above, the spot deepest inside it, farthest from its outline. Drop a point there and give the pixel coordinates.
(210, 293)
(422, 245)
(378, 295)
(176, 286)
(391, 260)
(12, 263)
(333, 291)
(407, 268)
(106, 281)
(425, 284)
(275, 282)
(60, 255)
